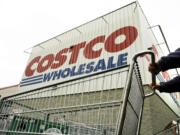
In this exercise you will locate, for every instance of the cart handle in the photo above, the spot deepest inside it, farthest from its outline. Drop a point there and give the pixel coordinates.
(153, 62)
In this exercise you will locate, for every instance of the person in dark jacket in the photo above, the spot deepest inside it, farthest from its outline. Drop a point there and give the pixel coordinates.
(167, 62)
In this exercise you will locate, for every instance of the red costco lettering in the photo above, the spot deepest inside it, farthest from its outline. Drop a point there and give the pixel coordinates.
(89, 53)
(29, 71)
(49, 58)
(110, 45)
(60, 58)
(130, 34)
(75, 52)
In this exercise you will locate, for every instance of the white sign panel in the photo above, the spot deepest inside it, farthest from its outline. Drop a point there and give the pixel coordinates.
(105, 43)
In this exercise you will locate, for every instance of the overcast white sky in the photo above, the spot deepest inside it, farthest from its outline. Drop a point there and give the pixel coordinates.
(25, 23)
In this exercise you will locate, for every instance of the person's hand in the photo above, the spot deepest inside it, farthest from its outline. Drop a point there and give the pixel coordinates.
(154, 68)
(154, 87)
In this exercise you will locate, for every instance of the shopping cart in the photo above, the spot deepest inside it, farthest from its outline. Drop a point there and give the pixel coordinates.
(99, 104)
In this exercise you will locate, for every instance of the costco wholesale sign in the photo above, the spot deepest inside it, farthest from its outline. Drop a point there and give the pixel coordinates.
(55, 61)
(105, 43)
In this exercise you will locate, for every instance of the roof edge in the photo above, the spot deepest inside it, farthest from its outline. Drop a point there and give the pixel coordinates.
(9, 87)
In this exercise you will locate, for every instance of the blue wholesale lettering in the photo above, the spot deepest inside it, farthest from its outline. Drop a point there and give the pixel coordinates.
(88, 68)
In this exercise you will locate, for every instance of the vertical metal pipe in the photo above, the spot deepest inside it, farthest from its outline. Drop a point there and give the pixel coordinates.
(166, 43)
(164, 38)
(125, 99)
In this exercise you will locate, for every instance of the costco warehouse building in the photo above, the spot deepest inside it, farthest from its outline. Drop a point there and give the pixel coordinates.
(85, 82)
